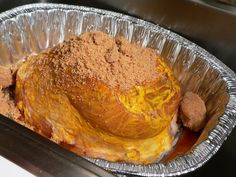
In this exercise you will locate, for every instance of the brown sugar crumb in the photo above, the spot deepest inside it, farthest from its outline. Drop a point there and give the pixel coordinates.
(96, 55)
(193, 111)
(6, 78)
(7, 102)
(7, 106)
(7, 74)
(9, 109)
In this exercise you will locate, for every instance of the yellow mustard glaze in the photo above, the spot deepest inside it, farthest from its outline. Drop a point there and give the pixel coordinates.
(131, 126)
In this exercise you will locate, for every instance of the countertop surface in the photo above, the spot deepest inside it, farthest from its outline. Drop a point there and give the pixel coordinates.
(10, 169)
(223, 163)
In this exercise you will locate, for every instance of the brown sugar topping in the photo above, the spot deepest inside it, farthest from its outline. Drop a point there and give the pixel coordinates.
(193, 111)
(6, 78)
(7, 106)
(96, 55)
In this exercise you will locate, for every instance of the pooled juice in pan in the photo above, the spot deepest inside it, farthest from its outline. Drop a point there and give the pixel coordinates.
(185, 143)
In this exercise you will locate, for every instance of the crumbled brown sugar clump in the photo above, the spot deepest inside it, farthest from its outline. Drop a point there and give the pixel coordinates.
(193, 111)
(6, 78)
(7, 102)
(113, 61)
(7, 106)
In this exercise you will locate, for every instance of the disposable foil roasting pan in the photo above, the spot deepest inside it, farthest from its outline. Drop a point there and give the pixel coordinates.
(33, 28)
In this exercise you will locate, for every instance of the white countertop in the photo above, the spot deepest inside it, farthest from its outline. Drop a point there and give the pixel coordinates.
(9, 169)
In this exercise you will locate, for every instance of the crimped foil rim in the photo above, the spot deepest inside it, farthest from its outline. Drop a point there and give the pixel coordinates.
(208, 147)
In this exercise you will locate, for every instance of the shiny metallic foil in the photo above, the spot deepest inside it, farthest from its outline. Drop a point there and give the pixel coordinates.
(33, 28)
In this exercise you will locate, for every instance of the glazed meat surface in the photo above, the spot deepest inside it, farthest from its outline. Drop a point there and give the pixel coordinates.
(100, 96)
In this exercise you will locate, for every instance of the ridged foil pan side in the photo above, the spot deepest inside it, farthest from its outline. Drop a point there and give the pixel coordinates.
(33, 28)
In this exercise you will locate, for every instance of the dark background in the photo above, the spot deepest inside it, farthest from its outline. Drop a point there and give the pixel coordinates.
(210, 24)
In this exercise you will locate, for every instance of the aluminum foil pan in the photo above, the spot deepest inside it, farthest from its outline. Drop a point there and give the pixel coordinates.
(33, 28)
